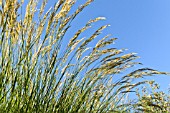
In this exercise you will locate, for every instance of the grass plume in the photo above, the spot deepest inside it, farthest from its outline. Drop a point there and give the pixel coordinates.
(38, 76)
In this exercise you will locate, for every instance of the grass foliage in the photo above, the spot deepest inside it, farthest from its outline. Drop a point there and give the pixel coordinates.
(38, 75)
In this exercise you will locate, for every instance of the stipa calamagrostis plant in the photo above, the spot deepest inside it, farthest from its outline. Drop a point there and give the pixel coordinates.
(152, 101)
(38, 75)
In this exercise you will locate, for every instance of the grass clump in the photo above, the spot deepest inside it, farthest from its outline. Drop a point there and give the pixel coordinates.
(39, 75)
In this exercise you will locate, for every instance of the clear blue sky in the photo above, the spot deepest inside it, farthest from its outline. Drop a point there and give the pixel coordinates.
(142, 26)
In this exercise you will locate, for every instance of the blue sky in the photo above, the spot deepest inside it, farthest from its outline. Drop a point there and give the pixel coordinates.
(142, 26)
